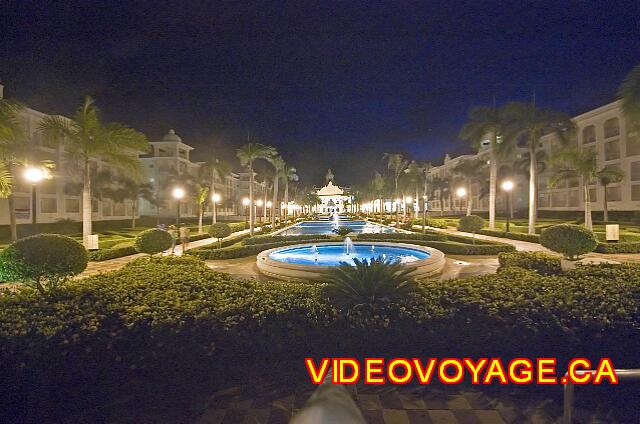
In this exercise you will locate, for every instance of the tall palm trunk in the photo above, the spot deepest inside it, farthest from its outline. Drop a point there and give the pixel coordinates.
(12, 217)
(493, 180)
(12, 211)
(134, 209)
(251, 205)
(395, 201)
(274, 202)
(212, 190)
(605, 205)
(200, 216)
(588, 223)
(286, 199)
(86, 205)
(533, 188)
(404, 207)
(469, 198)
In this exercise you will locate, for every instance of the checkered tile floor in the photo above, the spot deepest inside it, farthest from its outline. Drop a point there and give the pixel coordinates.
(384, 405)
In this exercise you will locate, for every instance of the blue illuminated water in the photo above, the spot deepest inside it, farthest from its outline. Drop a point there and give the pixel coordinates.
(327, 227)
(333, 254)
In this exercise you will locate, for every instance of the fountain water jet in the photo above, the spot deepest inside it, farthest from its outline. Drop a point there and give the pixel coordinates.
(348, 245)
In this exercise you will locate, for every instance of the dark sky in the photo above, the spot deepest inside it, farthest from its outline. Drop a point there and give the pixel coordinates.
(331, 84)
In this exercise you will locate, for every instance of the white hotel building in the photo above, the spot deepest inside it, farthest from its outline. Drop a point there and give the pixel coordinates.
(604, 130)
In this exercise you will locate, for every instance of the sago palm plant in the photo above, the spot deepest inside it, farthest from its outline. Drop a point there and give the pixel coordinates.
(369, 284)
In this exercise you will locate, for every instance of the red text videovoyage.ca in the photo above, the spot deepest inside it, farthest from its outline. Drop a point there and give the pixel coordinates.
(456, 370)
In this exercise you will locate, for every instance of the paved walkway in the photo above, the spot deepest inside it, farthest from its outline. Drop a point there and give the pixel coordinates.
(387, 405)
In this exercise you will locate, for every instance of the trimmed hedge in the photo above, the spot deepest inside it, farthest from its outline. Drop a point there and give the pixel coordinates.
(112, 253)
(233, 252)
(402, 236)
(541, 262)
(533, 238)
(628, 247)
(456, 248)
(568, 239)
(173, 319)
(276, 238)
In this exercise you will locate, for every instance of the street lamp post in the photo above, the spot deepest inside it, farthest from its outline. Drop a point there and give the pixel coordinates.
(461, 192)
(178, 194)
(507, 186)
(215, 198)
(245, 203)
(34, 176)
(424, 213)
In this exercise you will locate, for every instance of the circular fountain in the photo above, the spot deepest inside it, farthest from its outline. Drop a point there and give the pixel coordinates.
(314, 261)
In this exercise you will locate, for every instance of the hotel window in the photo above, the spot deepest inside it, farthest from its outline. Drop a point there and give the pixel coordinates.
(72, 205)
(558, 199)
(634, 175)
(591, 148)
(94, 206)
(48, 205)
(635, 192)
(593, 195)
(633, 144)
(612, 150)
(118, 209)
(589, 134)
(573, 198)
(614, 194)
(106, 208)
(611, 128)
(543, 200)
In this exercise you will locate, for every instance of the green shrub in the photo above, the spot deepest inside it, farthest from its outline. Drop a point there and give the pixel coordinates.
(343, 230)
(532, 238)
(220, 230)
(369, 284)
(624, 247)
(233, 252)
(471, 224)
(540, 262)
(44, 261)
(402, 236)
(173, 319)
(457, 248)
(153, 241)
(277, 238)
(568, 239)
(118, 251)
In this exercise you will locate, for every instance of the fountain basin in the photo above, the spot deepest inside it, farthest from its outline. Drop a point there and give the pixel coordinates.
(300, 261)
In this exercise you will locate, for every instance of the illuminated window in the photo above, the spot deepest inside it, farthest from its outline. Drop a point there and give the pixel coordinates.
(72, 205)
(612, 150)
(635, 192)
(48, 205)
(611, 128)
(589, 134)
(634, 175)
(633, 144)
(614, 194)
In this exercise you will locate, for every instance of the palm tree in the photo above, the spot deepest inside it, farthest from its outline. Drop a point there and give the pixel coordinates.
(629, 92)
(487, 122)
(247, 154)
(469, 170)
(396, 163)
(289, 174)
(86, 138)
(572, 163)
(608, 175)
(527, 122)
(202, 196)
(213, 171)
(278, 167)
(13, 144)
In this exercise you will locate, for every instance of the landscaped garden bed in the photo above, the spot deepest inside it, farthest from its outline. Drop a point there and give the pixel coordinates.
(174, 320)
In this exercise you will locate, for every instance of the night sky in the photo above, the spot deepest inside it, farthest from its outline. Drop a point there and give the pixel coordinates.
(331, 84)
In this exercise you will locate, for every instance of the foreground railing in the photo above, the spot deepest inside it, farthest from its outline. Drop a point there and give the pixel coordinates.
(569, 389)
(330, 404)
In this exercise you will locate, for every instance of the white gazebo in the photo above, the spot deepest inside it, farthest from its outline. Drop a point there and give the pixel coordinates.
(332, 199)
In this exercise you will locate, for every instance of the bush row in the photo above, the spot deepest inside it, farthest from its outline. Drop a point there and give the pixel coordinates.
(403, 236)
(236, 251)
(112, 253)
(541, 262)
(173, 319)
(262, 239)
(533, 238)
(622, 247)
